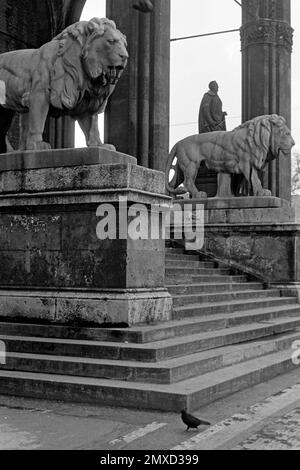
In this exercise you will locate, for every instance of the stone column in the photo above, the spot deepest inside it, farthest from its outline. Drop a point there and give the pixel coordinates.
(60, 132)
(267, 38)
(137, 117)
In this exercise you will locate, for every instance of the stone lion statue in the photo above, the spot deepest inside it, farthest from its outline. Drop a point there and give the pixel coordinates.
(74, 74)
(243, 151)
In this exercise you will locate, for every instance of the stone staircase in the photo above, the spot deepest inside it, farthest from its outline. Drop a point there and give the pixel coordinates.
(226, 334)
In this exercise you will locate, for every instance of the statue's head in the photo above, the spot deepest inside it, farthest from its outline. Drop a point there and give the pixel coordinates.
(214, 87)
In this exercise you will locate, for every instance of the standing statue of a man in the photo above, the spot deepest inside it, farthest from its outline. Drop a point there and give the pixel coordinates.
(211, 115)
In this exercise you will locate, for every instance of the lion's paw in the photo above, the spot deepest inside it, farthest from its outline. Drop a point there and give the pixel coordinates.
(200, 195)
(109, 147)
(264, 193)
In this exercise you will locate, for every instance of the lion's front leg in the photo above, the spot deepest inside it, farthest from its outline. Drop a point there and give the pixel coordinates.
(257, 188)
(38, 110)
(190, 174)
(224, 185)
(89, 126)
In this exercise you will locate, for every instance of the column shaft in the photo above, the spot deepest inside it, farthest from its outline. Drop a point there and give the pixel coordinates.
(267, 38)
(137, 116)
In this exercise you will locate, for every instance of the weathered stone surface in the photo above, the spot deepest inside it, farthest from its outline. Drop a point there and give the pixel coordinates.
(236, 337)
(67, 253)
(48, 238)
(257, 235)
(22, 304)
(243, 210)
(265, 253)
(19, 231)
(61, 158)
(239, 202)
(107, 307)
(89, 169)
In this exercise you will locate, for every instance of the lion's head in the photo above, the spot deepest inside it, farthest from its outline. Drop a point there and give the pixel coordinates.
(267, 136)
(104, 54)
(91, 56)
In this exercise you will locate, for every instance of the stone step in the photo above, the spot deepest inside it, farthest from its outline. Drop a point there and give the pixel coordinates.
(176, 251)
(170, 263)
(175, 271)
(190, 289)
(150, 352)
(178, 256)
(192, 279)
(191, 393)
(182, 252)
(182, 300)
(132, 335)
(164, 372)
(141, 334)
(193, 310)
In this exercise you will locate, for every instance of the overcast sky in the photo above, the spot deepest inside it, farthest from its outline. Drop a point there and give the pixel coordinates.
(195, 62)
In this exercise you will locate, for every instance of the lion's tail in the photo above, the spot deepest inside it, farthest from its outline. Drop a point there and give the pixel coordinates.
(169, 188)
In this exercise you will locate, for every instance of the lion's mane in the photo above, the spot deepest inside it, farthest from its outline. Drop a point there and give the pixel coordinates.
(68, 79)
(260, 138)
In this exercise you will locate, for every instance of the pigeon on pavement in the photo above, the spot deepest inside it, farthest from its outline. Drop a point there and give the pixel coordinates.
(191, 421)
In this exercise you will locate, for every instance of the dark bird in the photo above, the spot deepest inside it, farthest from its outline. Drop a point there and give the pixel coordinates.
(191, 421)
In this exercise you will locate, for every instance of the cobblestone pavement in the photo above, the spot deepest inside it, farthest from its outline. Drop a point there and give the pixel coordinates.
(266, 416)
(279, 434)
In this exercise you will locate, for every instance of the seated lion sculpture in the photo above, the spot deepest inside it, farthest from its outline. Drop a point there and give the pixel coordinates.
(243, 151)
(74, 74)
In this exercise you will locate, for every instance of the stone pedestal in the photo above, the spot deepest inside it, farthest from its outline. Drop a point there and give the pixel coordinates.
(260, 236)
(53, 265)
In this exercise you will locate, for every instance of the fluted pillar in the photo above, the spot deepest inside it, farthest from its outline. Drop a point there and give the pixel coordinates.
(267, 38)
(137, 116)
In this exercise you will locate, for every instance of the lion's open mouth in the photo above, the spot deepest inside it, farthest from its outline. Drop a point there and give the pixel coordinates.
(109, 77)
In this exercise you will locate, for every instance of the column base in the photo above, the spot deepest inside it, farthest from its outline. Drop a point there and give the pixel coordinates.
(291, 289)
